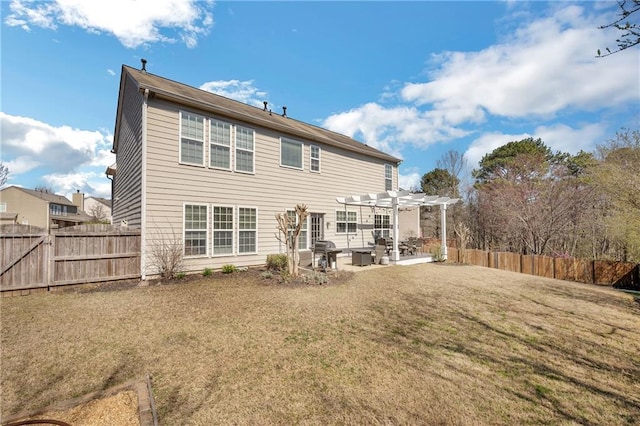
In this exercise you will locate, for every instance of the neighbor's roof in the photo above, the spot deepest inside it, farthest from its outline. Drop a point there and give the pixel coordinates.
(46, 196)
(104, 201)
(183, 94)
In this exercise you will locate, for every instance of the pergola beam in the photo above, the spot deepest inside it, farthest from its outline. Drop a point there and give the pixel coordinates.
(398, 199)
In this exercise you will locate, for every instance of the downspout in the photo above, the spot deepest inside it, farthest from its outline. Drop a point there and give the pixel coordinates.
(143, 196)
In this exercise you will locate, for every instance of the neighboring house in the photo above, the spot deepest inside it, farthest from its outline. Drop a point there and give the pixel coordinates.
(98, 208)
(211, 173)
(40, 209)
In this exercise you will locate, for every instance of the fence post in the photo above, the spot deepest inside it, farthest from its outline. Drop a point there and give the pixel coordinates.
(49, 261)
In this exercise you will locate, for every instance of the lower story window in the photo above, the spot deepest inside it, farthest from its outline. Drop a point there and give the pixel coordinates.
(222, 230)
(195, 230)
(382, 226)
(302, 236)
(247, 230)
(346, 222)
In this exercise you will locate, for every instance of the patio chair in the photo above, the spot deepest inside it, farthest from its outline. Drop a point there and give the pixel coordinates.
(415, 246)
(380, 250)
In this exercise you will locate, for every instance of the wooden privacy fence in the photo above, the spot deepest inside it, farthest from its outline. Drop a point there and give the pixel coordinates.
(602, 272)
(33, 258)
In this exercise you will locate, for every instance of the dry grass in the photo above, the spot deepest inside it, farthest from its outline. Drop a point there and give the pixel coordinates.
(425, 344)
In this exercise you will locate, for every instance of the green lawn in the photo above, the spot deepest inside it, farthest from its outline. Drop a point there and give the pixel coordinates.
(423, 344)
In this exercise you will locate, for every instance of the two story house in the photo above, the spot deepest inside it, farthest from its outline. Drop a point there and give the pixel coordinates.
(212, 173)
(38, 208)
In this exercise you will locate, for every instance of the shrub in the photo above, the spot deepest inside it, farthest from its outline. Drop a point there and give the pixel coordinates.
(267, 274)
(437, 255)
(314, 277)
(277, 262)
(229, 269)
(180, 275)
(207, 272)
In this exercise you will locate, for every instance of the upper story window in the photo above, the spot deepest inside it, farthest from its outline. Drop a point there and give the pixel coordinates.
(388, 177)
(314, 155)
(3, 207)
(220, 144)
(191, 138)
(290, 153)
(245, 149)
(58, 210)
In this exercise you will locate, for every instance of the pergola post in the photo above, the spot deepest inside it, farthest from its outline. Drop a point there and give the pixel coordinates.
(395, 253)
(443, 226)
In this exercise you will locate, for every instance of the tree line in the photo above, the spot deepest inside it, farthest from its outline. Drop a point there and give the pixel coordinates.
(525, 198)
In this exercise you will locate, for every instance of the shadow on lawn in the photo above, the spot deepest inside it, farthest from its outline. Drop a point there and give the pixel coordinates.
(427, 329)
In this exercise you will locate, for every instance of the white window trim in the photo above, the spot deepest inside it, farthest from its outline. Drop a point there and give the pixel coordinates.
(388, 178)
(311, 158)
(346, 222)
(3, 207)
(231, 144)
(236, 149)
(301, 154)
(308, 233)
(237, 233)
(204, 131)
(184, 231)
(388, 230)
(233, 231)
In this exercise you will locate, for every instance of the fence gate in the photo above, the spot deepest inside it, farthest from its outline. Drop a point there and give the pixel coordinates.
(33, 258)
(25, 257)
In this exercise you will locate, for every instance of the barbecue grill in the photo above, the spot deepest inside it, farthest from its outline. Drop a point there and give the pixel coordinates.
(328, 254)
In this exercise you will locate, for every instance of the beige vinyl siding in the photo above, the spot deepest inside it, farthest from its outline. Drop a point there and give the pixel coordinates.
(127, 185)
(31, 210)
(272, 189)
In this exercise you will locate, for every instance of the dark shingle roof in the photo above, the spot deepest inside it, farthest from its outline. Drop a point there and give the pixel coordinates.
(101, 200)
(46, 196)
(187, 95)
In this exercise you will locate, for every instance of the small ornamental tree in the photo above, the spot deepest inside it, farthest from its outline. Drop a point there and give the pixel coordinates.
(290, 227)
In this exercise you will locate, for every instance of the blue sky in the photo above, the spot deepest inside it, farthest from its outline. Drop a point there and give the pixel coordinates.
(414, 79)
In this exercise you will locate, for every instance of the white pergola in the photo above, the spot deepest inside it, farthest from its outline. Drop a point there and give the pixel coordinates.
(405, 199)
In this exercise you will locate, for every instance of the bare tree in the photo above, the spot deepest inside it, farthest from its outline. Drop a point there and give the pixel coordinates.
(45, 189)
(166, 252)
(4, 173)
(98, 212)
(290, 228)
(630, 30)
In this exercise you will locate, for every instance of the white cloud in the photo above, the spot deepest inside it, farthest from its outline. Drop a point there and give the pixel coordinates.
(558, 137)
(111, 72)
(409, 181)
(56, 148)
(133, 22)
(90, 183)
(242, 91)
(21, 165)
(388, 129)
(547, 66)
(487, 143)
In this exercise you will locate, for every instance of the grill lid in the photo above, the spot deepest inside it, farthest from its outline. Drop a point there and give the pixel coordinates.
(324, 245)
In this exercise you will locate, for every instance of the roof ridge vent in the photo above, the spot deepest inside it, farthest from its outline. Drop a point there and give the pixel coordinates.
(144, 65)
(284, 111)
(265, 105)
